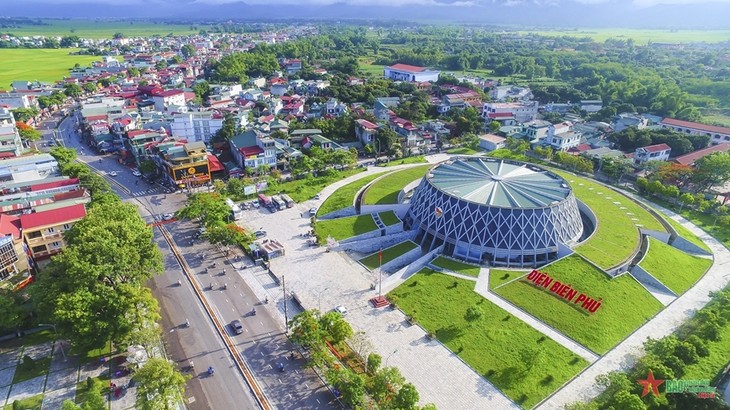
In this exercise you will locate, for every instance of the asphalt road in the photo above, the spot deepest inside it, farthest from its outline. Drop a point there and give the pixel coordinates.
(263, 344)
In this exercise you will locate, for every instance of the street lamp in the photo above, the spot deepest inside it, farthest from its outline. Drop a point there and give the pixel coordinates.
(319, 299)
(56, 334)
(389, 356)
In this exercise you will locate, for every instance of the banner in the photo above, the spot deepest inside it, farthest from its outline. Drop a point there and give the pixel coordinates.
(249, 189)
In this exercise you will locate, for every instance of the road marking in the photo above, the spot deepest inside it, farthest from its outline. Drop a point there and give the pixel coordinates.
(305, 386)
(318, 402)
(262, 323)
(290, 396)
(226, 300)
(281, 382)
(269, 333)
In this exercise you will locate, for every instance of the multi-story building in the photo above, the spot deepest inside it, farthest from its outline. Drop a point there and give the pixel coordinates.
(405, 72)
(656, 152)
(562, 137)
(170, 98)
(717, 134)
(252, 149)
(10, 143)
(524, 111)
(43, 231)
(197, 126)
(183, 164)
(15, 100)
(365, 131)
(28, 168)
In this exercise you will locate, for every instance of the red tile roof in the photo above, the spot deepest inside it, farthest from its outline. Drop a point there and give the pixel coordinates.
(367, 124)
(69, 195)
(52, 217)
(249, 151)
(214, 164)
(692, 157)
(7, 154)
(10, 225)
(407, 68)
(657, 148)
(696, 125)
(168, 93)
(55, 184)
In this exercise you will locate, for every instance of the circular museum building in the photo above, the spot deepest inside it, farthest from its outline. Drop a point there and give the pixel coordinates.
(500, 212)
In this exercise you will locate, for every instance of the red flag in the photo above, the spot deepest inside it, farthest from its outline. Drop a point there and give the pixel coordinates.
(380, 256)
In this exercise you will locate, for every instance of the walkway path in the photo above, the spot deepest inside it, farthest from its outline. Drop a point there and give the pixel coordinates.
(482, 288)
(623, 356)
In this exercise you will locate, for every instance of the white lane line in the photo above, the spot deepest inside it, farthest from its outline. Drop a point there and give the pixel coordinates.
(269, 333)
(318, 402)
(280, 382)
(305, 386)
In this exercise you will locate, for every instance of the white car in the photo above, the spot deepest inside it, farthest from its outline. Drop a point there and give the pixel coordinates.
(313, 212)
(341, 310)
(316, 197)
(136, 173)
(113, 173)
(167, 217)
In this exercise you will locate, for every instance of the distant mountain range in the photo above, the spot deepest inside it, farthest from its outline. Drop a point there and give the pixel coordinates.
(527, 14)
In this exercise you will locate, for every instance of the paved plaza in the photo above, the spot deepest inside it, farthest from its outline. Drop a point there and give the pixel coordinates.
(59, 383)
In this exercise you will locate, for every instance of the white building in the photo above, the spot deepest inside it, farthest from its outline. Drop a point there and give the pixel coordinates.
(168, 98)
(10, 143)
(717, 134)
(491, 142)
(365, 131)
(561, 137)
(405, 72)
(524, 111)
(591, 105)
(196, 126)
(18, 100)
(656, 152)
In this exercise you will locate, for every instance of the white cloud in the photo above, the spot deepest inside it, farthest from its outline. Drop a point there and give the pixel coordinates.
(649, 3)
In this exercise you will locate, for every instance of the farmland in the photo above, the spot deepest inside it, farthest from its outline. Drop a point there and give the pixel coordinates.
(48, 65)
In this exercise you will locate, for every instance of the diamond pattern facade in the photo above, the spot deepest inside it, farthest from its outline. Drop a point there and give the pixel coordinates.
(534, 215)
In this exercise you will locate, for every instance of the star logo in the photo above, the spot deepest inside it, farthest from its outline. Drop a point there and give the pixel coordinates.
(650, 383)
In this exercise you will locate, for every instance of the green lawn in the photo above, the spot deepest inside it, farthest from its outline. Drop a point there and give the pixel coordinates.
(103, 29)
(304, 189)
(344, 196)
(519, 360)
(499, 277)
(617, 235)
(343, 228)
(462, 151)
(29, 371)
(640, 36)
(366, 66)
(372, 261)
(386, 190)
(625, 304)
(93, 354)
(28, 403)
(48, 65)
(456, 266)
(687, 234)
(675, 269)
(82, 387)
(389, 218)
(37, 338)
(408, 160)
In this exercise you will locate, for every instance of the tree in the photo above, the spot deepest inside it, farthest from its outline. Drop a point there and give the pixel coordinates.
(335, 327)
(712, 170)
(373, 363)
(90, 87)
(118, 35)
(9, 313)
(350, 384)
(188, 50)
(407, 397)
(210, 207)
(473, 313)
(25, 114)
(306, 330)
(94, 291)
(229, 128)
(133, 72)
(73, 90)
(63, 155)
(386, 384)
(159, 385)
(28, 133)
(147, 167)
(494, 126)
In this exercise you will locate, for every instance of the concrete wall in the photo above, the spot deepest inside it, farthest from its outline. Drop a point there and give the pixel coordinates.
(377, 233)
(410, 187)
(687, 246)
(371, 245)
(660, 236)
(645, 277)
(403, 260)
(340, 213)
(584, 209)
(405, 272)
(400, 209)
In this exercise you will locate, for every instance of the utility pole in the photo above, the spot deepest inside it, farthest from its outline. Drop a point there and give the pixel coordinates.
(286, 312)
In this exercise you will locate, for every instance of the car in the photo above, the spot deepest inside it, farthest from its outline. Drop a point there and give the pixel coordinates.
(237, 327)
(313, 212)
(136, 173)
(316, 197)
(341, 310)
(167, 217)
(113, 173)
(259, 234)
(255, 205)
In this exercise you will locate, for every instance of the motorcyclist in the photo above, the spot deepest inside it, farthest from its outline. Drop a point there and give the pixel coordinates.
(266, 300)
(187, 323)
(225, 286)
(253, 311)
(178, 282)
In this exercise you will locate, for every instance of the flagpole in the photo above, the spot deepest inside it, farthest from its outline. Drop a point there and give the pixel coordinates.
(380, 272)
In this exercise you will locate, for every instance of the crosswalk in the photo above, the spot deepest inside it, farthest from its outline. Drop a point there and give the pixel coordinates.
(146, 192)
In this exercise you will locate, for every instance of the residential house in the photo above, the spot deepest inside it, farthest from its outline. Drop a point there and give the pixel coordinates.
(535, 131)
(183, 164)
(460, 100)
(252, 149)
(365, 131)
(165, 100)
(656, 152)
(28, 168)
(198, 126)
(292, 65)
(382, 111)
(562, 137)
(629, 120)
(43, 231)
(405, 129)
(335, 108)
(524, 111)
(692, 157)
(15, 100)
(491, 142)
(718, 135)
(11, 145)
(279, 89)
(590, 106)
(512, 92)
(411, 73)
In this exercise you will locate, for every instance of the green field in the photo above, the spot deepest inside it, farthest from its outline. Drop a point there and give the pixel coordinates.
(97, 29)
(675, 269)
(343, 228)
(641, 36)
(462, 151)
(389, 218)
(498, 277)
(304, 189)
(456, 266)
(687, 234)
(386, 190)
(617, 235)
(625, 304)
(519, 360)
(372, 261)
(344, 196)
(367, 67)
(28, 403)
(47, 65)
(419, 159)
